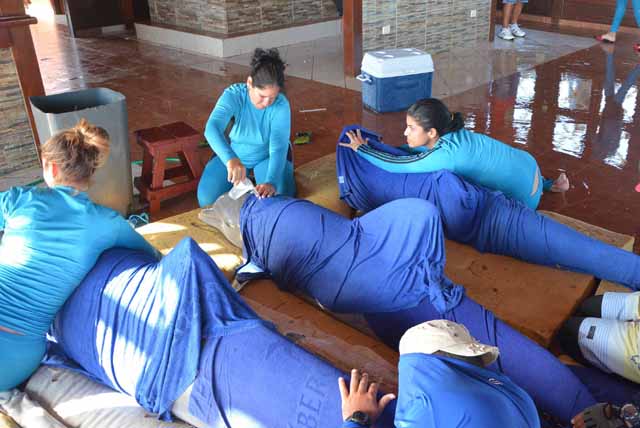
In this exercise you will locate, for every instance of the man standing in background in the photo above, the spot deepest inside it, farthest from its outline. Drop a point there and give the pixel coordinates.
(511, 11)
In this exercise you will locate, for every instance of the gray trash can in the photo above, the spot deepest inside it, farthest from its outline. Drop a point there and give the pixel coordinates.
(111, 185)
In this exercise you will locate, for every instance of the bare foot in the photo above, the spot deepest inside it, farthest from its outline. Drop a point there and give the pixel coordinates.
(560, 184)
(608, 37)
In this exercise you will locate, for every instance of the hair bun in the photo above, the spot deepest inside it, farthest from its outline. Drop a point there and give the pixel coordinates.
(265, 56)
(267, 68)
(91, 135)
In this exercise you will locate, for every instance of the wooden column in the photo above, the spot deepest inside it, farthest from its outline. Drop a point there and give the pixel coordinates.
(557, 11)
(352, 36)
(57, 6)
(492, 20)
(15, 33)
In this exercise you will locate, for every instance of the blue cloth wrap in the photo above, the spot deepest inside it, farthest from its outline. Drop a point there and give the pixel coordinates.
(151, 329)
(137, 326)
(390, 259)
(486, 220)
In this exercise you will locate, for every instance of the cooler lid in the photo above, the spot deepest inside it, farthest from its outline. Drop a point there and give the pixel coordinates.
(396, 62)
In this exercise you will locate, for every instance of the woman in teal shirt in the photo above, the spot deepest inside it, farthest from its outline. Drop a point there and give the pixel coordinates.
(259, 136)
(436, 139)
(52, 238)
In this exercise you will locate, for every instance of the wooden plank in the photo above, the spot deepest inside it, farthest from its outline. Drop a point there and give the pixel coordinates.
(5, 40)
(535, 300)
(316, 181)
(24, 54)
(616, 239)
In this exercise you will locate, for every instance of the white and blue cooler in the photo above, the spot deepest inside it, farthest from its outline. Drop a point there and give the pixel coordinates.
(394, 79)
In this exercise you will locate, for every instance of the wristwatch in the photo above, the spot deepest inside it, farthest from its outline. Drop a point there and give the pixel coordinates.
(360, 418)
(629, 413)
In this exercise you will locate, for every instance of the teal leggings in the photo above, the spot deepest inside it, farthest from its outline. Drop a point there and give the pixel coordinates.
(20, 356)
(213, 182)
(621, 7)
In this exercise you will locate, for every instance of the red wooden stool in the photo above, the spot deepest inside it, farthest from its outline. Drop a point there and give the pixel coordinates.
(175, 139)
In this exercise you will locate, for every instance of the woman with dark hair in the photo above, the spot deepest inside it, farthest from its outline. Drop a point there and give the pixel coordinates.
(52, 238)
(259, 136)
(436, 139)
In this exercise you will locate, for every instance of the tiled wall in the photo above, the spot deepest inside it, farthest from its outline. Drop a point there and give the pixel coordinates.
(17, 147)
(432, 25)
(239, 16)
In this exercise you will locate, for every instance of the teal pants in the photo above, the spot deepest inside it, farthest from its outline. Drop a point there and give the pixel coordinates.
(213, 182)
(20, 356)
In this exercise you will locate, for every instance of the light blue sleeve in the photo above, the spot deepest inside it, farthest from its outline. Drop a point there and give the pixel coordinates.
(7, 202)
(429, 161)
(349, 424)
(279, 142)
(127, 237)
(4, 197)
(227, 107)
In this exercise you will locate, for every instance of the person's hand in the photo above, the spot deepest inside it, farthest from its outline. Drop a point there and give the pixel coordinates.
(355, 140)
(362, 396)
(601, 415)
(236, 172)
(265, 190)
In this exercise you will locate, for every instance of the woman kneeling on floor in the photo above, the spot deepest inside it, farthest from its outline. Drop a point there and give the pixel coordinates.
(52, 238)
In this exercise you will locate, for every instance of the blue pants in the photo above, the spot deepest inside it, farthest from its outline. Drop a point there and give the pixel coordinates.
(621, 8)
(213, 182)
(20, 356)
(486, 220)
(553, 387)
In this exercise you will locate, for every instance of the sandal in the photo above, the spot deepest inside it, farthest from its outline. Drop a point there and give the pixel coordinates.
(601, 38)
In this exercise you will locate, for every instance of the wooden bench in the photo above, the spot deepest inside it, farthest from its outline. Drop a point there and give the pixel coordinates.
(175, 139)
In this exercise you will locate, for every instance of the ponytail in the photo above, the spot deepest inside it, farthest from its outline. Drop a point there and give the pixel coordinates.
(78, 151)
(433, 113)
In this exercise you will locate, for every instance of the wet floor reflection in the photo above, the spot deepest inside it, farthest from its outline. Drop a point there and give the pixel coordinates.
(577, 112)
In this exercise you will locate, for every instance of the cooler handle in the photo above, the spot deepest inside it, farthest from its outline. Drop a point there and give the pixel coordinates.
(364, 78)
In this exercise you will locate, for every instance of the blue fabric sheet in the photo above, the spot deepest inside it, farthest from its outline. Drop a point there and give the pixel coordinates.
(390, 259)
(553, 387)
(484, 219)
(151, 329)
(607, 387)
(137, 326)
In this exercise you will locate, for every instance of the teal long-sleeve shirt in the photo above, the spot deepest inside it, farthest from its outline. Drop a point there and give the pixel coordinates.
(256, 134)
(477, 158)
(52, 239)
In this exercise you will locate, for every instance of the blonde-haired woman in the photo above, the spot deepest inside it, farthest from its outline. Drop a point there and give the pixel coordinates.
(52, 238)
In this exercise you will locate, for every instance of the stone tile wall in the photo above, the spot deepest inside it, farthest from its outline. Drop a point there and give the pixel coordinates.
(432, 25)
(239, 16)
(17, 146)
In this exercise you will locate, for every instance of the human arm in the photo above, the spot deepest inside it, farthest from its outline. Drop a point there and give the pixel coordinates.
(361, 396)
(413, 162)
(279, 132)
(4, 199)
(127, 237)
(605, 415)
(227, 107)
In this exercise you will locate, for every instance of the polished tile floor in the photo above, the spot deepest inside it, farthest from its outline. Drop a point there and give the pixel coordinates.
(455, 71)
(571, 103)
